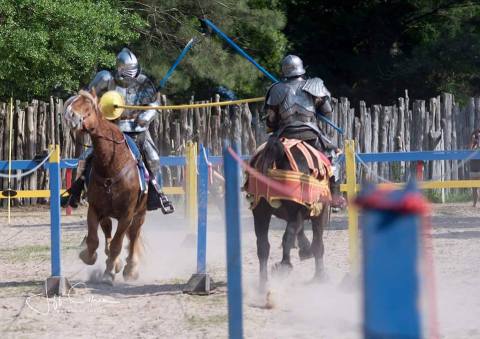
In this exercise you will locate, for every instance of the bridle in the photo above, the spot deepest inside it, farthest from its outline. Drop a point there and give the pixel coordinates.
(90, 97)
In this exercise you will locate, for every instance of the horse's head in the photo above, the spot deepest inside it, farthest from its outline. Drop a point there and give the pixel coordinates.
(81, 112)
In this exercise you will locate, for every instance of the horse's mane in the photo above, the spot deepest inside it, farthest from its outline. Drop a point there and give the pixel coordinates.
(90, 97)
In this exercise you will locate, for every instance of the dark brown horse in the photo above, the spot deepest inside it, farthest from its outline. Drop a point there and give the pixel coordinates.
(113, 189)
(292, 212)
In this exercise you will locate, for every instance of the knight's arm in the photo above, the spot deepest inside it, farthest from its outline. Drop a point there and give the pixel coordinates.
(324, 106)
(319, 91)
(102, 82)
(147, 97)
(145, 117)
(272, 118)
(271, 109)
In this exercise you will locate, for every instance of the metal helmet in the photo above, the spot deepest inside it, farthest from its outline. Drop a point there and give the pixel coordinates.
(127, 64)
(292, 66)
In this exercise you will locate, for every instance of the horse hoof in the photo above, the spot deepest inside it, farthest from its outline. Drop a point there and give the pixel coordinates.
(108, 278)
(282, 269)
(118, 266)
(321, 278)
(270, 300)
(86, 258)
(130, 273)
(305, 254)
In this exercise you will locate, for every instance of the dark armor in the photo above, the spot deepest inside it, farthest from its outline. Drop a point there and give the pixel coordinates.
(292, 105)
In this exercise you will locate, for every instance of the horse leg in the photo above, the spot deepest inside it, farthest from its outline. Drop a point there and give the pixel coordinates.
(261, 217)
(89, 254)
(475, 196)
(106, 224)
(114, 264)
(304, 251)
(130, 272)
(318, 248)
(288, 242)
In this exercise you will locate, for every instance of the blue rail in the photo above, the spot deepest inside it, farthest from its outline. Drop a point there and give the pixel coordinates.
(218, 160)
(419, 156)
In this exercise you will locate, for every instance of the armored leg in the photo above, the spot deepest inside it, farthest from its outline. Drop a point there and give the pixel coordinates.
(337, 199)
(78, 186)
(156, 198)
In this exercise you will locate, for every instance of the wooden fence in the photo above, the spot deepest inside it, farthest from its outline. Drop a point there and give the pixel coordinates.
(437, 124)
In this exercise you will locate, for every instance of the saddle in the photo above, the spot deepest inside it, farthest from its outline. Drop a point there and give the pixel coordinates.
(310, 190)
(143, 175)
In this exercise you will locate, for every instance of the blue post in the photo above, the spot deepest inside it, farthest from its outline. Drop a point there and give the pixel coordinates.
(202, 211)
(390, 264)
(55, 182)
(234, 250)
(175, 64)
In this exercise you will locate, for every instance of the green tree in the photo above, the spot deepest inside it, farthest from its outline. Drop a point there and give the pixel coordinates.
(374, 49)
(54, 47)
(254, 25)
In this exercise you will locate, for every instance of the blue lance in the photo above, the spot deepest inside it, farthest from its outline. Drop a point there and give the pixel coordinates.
(187, 47)
(263, 70)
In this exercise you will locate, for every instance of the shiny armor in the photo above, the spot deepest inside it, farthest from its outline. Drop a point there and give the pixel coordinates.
(292, 66)
(136, 91)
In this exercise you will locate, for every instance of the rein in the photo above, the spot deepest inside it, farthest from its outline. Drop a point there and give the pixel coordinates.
(108, 182)
(101, 136)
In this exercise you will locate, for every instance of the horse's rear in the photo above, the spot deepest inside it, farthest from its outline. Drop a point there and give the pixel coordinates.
(299, 191)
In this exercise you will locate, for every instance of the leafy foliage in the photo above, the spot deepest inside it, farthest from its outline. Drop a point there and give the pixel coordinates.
(363, 49)
(374, 49)
(254, 25)
(53, 47)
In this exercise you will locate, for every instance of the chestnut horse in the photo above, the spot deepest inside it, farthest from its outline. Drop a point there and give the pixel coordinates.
(113, 190)
(292, 212)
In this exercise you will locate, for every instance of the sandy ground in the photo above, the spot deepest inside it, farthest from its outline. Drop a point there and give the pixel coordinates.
(156, 307)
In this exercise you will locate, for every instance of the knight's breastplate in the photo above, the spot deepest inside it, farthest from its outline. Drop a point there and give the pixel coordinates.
(127, 122)
(294, 104)
(129, 93)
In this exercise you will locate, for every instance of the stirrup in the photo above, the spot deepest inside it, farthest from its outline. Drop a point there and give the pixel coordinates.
(165, 204)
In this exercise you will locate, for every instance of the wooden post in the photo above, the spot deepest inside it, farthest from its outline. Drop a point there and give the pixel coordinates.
(68, 184)
(385, 116)
(30, 147)
(20, 140)
(375, 135)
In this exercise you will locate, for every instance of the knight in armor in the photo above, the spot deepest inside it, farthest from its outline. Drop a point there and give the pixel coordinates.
(137, 89)
(292, 106)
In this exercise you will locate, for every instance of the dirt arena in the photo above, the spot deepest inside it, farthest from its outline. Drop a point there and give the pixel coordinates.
(156, 307)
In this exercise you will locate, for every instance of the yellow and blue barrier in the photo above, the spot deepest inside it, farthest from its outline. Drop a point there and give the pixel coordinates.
(352, 187)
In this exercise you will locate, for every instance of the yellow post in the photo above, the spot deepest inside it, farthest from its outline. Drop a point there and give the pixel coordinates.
(191, 183)
(10, 145)
(352, 210)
